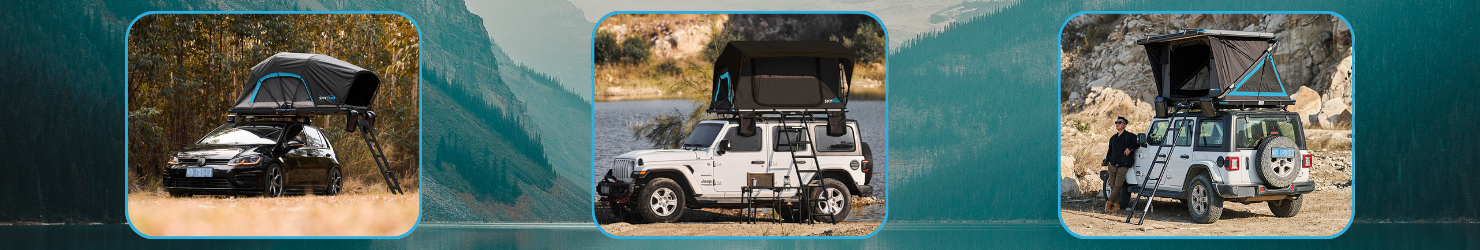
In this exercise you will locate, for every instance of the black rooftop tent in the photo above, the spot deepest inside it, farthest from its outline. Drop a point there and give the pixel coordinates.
(305, 84)
(781, 76)
(1216, 67)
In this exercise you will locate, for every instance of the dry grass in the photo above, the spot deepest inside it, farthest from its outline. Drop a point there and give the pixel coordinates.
(357, 213)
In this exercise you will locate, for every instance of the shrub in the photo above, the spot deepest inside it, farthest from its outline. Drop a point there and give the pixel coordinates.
(635, 49)
(606, 47)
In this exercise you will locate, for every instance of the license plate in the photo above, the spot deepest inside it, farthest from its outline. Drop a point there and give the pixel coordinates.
(606, 190)
(198, 172)
(1283, 153)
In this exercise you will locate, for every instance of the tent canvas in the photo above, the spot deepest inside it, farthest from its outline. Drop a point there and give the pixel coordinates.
(752, 76)
(305, 84)
(1232, 67)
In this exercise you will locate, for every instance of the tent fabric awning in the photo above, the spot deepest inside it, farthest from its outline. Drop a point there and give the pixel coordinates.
(1218, 64)
(298, 83)
(776, 75)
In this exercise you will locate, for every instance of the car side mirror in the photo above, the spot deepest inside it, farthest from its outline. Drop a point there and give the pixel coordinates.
(1141, 139)
(724, 145)
(294, 144)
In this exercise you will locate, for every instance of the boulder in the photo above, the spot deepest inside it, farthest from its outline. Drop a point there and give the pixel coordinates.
(1334, 112)
(1068, 181)
(1308, 104)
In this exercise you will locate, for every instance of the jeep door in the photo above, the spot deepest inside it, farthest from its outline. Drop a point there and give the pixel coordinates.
(1180, 158)
(1155, 137)
(780, 159)
(727, 173)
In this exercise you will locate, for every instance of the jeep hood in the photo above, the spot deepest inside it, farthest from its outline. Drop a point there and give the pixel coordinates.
(659, 155)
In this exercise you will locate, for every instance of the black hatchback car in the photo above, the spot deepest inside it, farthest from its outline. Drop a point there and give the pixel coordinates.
(265, 158)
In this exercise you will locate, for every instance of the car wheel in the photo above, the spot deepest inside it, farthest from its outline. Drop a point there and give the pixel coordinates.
(1277, 172)
(274, 180)
(662, 201)
(335, 184)
(833, 198)
(1286, 207)
(1202, 202)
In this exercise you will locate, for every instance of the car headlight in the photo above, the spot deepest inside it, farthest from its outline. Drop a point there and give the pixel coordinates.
(174, 160)
(245, 160)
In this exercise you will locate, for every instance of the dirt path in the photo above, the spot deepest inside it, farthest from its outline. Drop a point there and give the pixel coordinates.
(1323, 213)
(157, 214)
(864, 217)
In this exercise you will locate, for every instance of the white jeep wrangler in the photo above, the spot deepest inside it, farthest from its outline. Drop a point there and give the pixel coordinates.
(1244, 156)
(716, 167)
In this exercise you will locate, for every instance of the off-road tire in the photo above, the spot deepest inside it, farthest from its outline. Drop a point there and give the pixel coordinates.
(833, 195)
(274, 182)
(1203, 202)
(1286, 207)
(335, 183)
(1277, 173)
(661, 201)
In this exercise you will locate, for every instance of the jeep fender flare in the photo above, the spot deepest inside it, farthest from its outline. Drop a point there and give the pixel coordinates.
(1200, 167)
(684, 180)
(842, 176)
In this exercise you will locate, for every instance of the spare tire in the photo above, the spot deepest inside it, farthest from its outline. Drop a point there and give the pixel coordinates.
(1277, 172)
(868, 156)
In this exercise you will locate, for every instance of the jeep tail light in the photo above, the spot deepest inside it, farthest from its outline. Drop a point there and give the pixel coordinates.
(865, 163)
(1307, 160)
(1233, 163)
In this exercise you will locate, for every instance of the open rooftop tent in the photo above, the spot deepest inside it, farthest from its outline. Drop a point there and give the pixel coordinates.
(753, 78)
(305, 84)
(1217, 67)
(783, 75)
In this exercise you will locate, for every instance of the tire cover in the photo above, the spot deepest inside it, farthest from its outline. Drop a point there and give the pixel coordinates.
(1277, 172)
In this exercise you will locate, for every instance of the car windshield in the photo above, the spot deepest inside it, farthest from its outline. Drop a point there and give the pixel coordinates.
(702, 136)
(1251, 129)
(241, 134)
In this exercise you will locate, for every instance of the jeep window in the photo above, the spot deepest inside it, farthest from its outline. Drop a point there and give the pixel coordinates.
(1157, 133)
(784, 137)
(702, 137)
(1251, 129)
(829, 143)
(233, 134)
(1210, 134)
(742, 143)
(1184, 133)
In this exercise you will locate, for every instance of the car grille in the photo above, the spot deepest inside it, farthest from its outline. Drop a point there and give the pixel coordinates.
(199, 183)
(194, 161)
(622, 169)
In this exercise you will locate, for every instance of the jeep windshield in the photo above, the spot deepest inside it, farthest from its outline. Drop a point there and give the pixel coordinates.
(242, 134)
(1251, 129)
(702, 136)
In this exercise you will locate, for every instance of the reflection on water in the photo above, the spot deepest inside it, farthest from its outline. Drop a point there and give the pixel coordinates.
(612, 137)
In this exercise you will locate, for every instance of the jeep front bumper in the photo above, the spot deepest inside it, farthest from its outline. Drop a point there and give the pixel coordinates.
(614, 189)
(1254, 190)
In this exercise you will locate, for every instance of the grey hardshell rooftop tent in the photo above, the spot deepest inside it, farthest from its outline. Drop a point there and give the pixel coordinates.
(1229, 68)
(781, 76)
(305, 84)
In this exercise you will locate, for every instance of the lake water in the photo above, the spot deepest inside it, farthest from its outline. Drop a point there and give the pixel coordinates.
(612, 138)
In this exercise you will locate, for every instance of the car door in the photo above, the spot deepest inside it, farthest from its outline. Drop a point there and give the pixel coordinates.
(297, 163)
(780, 160)
(746, 155)
(319, 153)
(1180, 158)
(1155, 137)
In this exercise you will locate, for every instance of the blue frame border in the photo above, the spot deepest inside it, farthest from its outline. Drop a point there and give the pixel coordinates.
(420, 115)
(886, 126)
(1353, 106)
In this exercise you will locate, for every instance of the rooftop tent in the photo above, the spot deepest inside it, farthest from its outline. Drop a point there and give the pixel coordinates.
(309, 84)
(781, 76)
(1232, 67)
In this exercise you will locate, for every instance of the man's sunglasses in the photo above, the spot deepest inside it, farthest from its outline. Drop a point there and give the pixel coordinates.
(1119, 122)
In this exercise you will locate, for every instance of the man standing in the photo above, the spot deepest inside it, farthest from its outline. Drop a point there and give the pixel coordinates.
(1118, 159)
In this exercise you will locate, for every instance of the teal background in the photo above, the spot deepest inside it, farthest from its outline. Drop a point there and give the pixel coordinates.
(973, 116)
